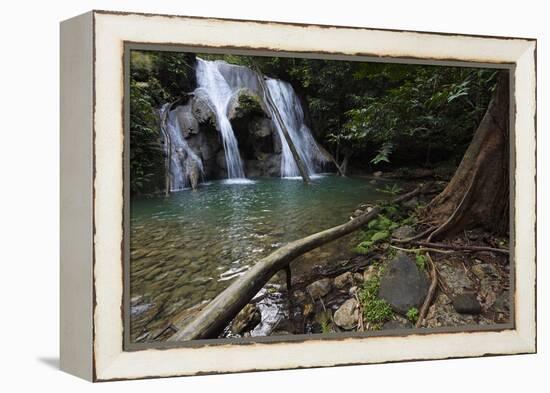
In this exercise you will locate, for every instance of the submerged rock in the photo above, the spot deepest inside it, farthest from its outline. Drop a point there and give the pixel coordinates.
(403, 285)
(347, 315)
(319, 288)
(466, 303)
(246, 320)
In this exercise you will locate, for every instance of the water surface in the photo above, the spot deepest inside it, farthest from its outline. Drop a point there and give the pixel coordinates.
(187, 248)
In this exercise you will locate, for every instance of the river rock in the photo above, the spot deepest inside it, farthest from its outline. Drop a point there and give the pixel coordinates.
(347, 315)
(343, 280)
(404, 232)
(369, 273)
(466, 303)
(319, 288)
(246, 319)
(403, 285)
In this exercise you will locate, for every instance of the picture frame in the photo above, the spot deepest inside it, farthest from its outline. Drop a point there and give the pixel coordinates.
(94, 194)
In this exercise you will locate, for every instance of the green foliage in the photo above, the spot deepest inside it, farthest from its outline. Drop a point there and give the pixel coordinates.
(249, 105)
(430, 108)
(394, 189)
(378, 230)
(383, 154)
(412, 314)
(375, 310)
(421, 261)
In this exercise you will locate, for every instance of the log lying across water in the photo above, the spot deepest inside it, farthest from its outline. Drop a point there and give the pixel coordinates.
(213, 318)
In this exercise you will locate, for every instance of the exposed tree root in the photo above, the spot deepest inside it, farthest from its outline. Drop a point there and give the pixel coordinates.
(462, 248)
(431, 292)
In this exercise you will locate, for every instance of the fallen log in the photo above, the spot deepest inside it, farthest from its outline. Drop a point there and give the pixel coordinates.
(215, 316)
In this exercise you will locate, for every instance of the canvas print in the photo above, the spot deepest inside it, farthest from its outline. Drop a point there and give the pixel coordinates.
(284, 196)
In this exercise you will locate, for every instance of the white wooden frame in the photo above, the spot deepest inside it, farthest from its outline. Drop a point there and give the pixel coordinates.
(92, 141)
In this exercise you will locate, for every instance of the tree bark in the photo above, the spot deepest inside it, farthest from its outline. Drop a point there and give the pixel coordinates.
(478, 193)
(213, 318)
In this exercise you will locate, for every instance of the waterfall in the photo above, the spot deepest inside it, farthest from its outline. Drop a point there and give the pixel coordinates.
(219, 92)
(220, 83)
(290, 109)
(183, 160)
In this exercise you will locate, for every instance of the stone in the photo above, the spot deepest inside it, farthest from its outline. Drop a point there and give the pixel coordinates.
(347, 315)
(466, 303)
(377, 174)
(404, 232)
(343, 280)
(319, 288)
(369, 273)
(246, 319)
(403, 285)
(357, 278)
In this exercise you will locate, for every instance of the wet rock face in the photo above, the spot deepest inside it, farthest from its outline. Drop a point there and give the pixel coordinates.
(403, 285)
(188, 123)
(246, 320)
(347, 315)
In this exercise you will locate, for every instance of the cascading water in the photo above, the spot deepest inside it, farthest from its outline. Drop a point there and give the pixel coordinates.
(183, 160)
(291, 112)
(219, 83)
(219, 92)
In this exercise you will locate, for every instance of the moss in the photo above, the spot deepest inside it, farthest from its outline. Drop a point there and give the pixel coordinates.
(375, 310)
(249, 105)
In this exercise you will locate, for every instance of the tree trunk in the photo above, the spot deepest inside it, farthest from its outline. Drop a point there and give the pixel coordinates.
(478, 193)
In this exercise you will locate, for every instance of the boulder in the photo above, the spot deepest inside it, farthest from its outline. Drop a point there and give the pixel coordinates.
(347, 315)
(246, 320)
(187, 121)
(403, 285)
(466, 303)
(319, 288)
(202, 108)
(404, 232)
(243, 103)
